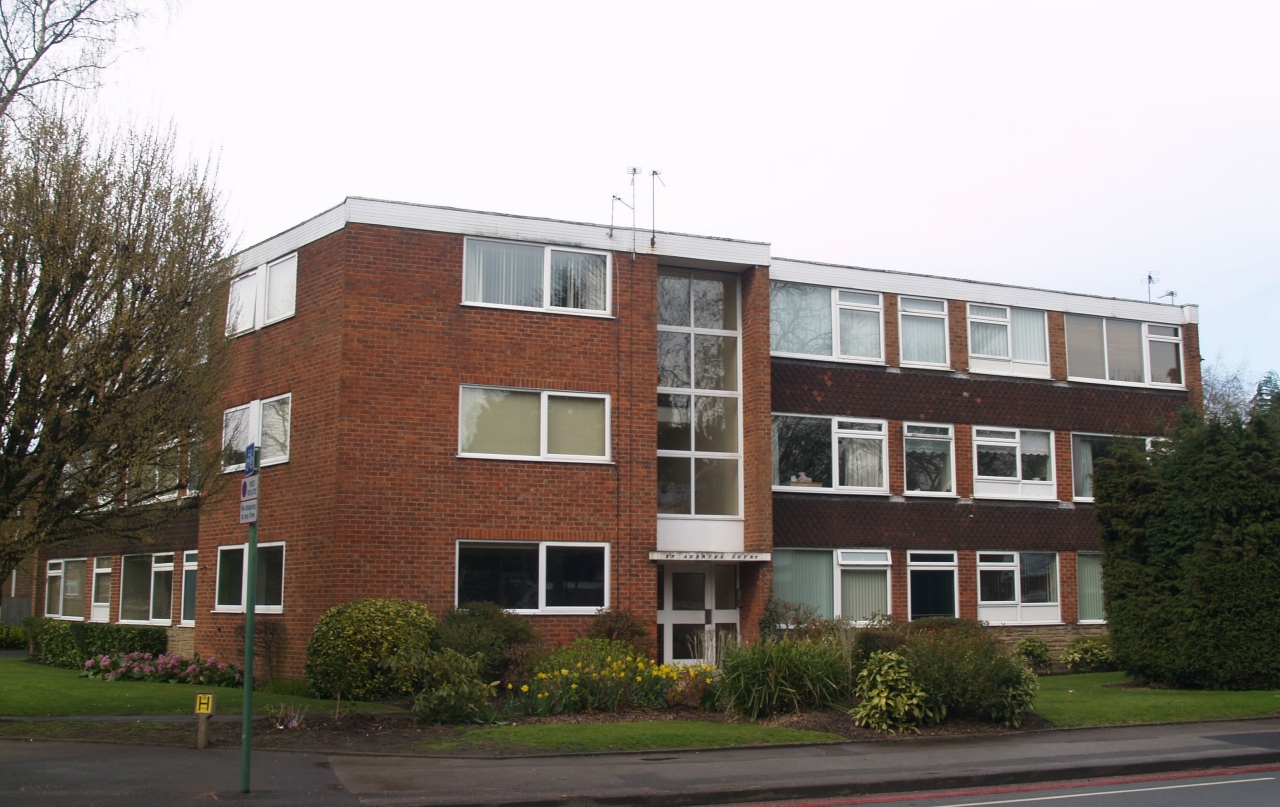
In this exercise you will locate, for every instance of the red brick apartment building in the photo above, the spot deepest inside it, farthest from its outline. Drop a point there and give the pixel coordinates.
(456, 406)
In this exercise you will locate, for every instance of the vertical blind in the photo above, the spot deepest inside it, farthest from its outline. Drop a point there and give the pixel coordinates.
(1089, 575)
(863, 593)
(924, 339)
(503, 274)
(1029, 342)
(805, 577)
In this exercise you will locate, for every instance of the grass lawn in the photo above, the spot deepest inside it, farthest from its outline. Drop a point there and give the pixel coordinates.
(1086, 700)
(631, 736)
(34, 690)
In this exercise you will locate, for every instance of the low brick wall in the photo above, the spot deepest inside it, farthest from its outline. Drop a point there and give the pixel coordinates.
(1056, 636)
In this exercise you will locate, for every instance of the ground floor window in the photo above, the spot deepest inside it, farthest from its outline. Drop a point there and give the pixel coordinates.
(1089, 579)
(146, 588)
(64, 589)
(931, 584)
(233, 571)
(1018, 587)
(534, 576)
(852, 584)
(189, 568)
(101, 610)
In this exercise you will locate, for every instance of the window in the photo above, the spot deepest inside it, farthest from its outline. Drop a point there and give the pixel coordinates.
(101, 608)
(1113, 350)
(1089, 580)
(929, 454)
(189, 569)
(698, 394)
(1013, 464)
(931, 584)
(262, 296)
(233, 565)
(924, 331)
(805, 577)
(1018, 587)
(1086, 449)
(806, 449)
(64, 589)
(541, 278)
(533, 424)
(864, 583)
(820, 321)
(266, 423)
(1007, 340)
(146, 588)
(534, 577)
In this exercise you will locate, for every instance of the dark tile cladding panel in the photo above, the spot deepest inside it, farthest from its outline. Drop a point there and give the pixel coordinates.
(178, 535)
(849, 521)
(824, 388)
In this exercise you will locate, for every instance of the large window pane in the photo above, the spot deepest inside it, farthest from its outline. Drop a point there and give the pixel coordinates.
(275, 429)
(1039, 577)
(716, 427)
(1166, 362)
(928, 465)
(861, 462)
(1089, 577)
(1036, 464)
(230, 577)
(805, 577)
(860, 333)
(688, 591)
(800, 319)
(715, 362)
(503, 274)
(1029, 343)
(924, 339)
(102, 587)
(576, 426)
(505, 574)
(1085, 450)
(996, 585)
(161, 594)
(235, 436)
(73, 588)
(864, 593)
(688, 642)
(715, 302)
(998, 461)
(1124, 350)
(801, 452)
(242, 300)
(1085, 355)
(933, 592)
(673, 298)
(135, 588)
(575, 577)
(675, 485)
(189, 595)
(989, 339)
(282, 281)
(715, 487)
(270, 590)
(496, 421)
(673, 360)
(675, 430)
(53, 596)
(578, 280)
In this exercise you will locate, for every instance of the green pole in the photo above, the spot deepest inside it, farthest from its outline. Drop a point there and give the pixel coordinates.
(250, 602)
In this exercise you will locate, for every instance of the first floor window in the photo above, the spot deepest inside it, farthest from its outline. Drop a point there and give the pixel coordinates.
(806, 449)
(1013, 463)
(1089, 578)
(531, 576)
(65, 589)
(262, 295)
(189, 568)
(923, 326)
(233, 571)
(532, 276)
(1018, 587)
(522, 423)
(1086, 449)
(146, 588)
(265, 423)
(929, 460)
(851, 584)
(931, 580)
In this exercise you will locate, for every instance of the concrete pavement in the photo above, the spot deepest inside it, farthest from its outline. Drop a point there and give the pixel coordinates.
(41, 773)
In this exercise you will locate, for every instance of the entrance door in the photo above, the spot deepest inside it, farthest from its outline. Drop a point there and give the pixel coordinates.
(698, 611)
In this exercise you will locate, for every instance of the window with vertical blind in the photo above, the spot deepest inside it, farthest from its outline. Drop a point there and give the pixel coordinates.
(503, 423)
(923, 331)
(851, 584)
(1123, 351)
(1089, 582)
(805, 577)
(543, 278)
(1008, 341)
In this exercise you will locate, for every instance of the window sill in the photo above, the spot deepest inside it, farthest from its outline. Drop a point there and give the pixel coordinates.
(818, 357)
(1091, 622)
(575, 611)
(1129, 384)
(928, 495)
(527, 458)
(186, 624)
(1028, 623)
(572, 312)
(925, 366)
(159, 623)
(230, 469)
(72, 618)
(263, 326)
(840, 491)
(261, 609)
(695, 516)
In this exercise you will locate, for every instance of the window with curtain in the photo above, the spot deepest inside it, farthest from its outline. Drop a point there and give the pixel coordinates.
(497, 422)
(1022, 454)
(923, 330)
(1087, 449)
(535, 276)
(1018, 587)
(1089, 580)
(1001, 332)
(806, 577)
(928, 458)
(805, 449)
(1120, 350)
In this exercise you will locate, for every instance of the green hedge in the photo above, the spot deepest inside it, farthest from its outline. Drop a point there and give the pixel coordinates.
(60, 643)
(12, 637)
(351, 643)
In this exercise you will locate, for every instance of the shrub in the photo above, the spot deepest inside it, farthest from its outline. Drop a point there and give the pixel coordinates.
(1034, 652)
(12, 636)
(868, 640)
(969, 675)
(452, 689)
(506, 641)
(937, 625)
(794, 620)
(889, 699)
(350, 642)
(623, 626)
(1088, 655)
(782, 675)
(164, 668)
(60, 643)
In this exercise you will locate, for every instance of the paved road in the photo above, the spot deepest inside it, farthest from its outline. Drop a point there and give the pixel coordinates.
(49, 773)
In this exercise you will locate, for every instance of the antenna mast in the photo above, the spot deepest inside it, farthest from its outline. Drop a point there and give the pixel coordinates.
(653, 210)
(1152, 279)
(633, 172)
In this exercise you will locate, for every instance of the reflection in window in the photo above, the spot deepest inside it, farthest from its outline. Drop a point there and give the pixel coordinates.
(928, 459)
(800, 319)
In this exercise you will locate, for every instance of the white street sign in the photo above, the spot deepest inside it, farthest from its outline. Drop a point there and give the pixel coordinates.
(249, 511)
(248, 488)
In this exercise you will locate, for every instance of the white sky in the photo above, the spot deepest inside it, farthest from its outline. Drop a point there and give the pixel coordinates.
(1073, 145)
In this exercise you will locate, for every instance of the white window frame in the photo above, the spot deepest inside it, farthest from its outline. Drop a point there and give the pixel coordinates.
(1147, 339)
(546, 308)
(60, 573)
(836, 305)
(255, 431)
(244, 579)
(542, 608)
(998, 487)
(190, 562)
(53, 569)
(94, 573)
(953, 566)
(944, 315)
(844, 559)
(544, 455)
(261, 284)
(151, 588)
(1148, 443)
(951, 494)
(1006, 365)
(996, 612)
(1079, 621)
(836, 434)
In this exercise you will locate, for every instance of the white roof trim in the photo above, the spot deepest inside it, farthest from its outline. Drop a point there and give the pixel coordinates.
(497, 225)
(849, 277)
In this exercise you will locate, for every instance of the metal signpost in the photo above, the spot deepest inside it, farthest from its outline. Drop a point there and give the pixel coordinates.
(249, 515)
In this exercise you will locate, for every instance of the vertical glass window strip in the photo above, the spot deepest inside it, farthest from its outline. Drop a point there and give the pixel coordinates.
(242, 300)
(924, 330)
(73, 589)
(53, 589)
(161, 588)
(235, 436)
(135, 588)
(1124, 351)
(805, 577)
(1089, 578)
(1029, 332)
(230, 583)
(189, 569)
(282, 283)
(270, 592)
(928, 459)
(579, 280)
(102, 581)
(275, 429)
(1164, 350)
(800, 319)
(859, 319)
(1086, 347)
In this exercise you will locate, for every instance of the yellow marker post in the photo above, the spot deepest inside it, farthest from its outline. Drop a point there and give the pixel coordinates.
(206, 704)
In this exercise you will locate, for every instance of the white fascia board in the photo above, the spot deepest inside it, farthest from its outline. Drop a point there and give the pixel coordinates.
(355, 210)
(972, 291)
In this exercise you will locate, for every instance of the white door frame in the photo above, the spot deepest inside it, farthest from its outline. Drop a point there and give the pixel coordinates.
(712, 619)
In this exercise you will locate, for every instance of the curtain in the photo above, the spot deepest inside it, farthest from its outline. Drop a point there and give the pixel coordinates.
(860, 463)
(864, 593)
(800, 318)
(578, 280)
(1039, 577)
(989, 339)
(1085, 355)
(496, 421)
(859, 333)
(1089, 576)
(1124, 350)
(1082, 465)
(928, 465)
(503, 274)
(1036, 465)
(924, 339)
(1029, 336)
(575, 426)
(804, 577)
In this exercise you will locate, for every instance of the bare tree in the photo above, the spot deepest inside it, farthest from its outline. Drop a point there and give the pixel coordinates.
(114, 263)
(1227, 390)
(46, 43)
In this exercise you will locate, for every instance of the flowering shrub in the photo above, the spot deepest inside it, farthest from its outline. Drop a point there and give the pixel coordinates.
(1088, 655)
(171, 668)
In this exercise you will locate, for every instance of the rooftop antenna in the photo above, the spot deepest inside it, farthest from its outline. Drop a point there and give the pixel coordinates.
(1152, 279)
(1172, 295)
(653, 211)
(634, 172)
(613, 206)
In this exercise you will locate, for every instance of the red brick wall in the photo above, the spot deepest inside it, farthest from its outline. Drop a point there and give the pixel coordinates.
(1062, 465)
(1191, 355)
(958, 336)
(964, 460)
(892, 345)
(967, 571)
(1057, 346)
(1068, 582)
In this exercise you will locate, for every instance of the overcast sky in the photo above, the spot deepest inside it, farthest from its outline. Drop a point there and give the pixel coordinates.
(1071, 146)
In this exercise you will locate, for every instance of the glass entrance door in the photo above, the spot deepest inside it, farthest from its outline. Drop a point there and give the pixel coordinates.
(698, 611)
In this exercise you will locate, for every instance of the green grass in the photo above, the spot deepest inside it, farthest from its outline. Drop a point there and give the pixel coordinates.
(34, 690)
(635, 736)
(1086, 700)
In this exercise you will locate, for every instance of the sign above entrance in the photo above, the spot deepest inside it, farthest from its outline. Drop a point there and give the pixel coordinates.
(764, 557)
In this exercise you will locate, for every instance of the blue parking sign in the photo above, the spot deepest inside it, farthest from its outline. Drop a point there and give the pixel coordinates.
(250, 460)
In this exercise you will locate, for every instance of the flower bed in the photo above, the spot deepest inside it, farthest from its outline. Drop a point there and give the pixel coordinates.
(173, 668)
